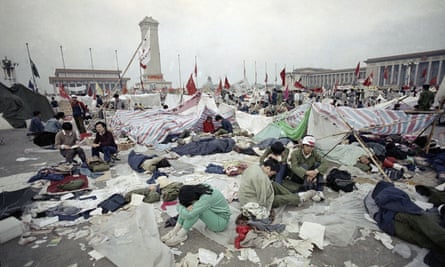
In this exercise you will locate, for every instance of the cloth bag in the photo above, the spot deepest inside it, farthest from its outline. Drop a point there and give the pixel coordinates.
(96, 164)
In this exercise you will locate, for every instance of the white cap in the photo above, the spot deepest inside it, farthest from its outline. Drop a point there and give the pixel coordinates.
(309, 140)
(73, 96)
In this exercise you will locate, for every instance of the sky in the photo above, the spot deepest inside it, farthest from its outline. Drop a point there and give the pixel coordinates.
(222, 35)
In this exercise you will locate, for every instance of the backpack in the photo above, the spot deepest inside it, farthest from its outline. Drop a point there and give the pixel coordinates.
(340, 180)
(96, 164)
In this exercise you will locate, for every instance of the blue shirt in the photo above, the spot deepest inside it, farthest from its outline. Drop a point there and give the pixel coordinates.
(36, 125)
(53, 125)
(226, 125)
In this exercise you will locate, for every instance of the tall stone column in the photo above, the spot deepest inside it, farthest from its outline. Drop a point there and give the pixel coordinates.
(152, 74)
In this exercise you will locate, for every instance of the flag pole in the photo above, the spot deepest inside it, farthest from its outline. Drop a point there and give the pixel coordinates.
(244, 70)
(141, 79)
(255, 74)
(129, 63)
(119, 80)
(275, 74)
(265, 81)
(180, 83)
(32, 71)
(63, 60)
(196, 73)
(63, 63)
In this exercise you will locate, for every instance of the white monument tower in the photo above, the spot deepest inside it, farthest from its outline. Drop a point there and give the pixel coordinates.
(152, 75)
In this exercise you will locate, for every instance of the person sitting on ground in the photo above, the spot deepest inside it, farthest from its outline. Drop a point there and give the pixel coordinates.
(198, 202)
(104, 142)
(397, 215)
(308, 167)
(36, 126)
(67, 142)
(226, 126)
(280, 153)
(257, 187)
(52, 126)
(207, 125)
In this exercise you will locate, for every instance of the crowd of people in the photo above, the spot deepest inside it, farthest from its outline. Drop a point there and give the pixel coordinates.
(279, 178)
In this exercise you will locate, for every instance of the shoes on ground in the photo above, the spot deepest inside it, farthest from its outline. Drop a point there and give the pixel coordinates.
(181, 236)
(305, 196)
(319, 196)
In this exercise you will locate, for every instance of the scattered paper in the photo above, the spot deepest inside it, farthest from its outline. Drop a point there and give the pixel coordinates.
(25, 159)
(136, 199)
(95, 255)
(249, 254)
(54, 242)
(209, 257)
(313, 232)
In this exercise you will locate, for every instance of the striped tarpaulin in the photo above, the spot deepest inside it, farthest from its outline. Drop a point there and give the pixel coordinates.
(150, 127)
(376, 121)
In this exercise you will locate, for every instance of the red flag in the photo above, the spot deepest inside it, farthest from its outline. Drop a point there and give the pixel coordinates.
(125, 91)
(191, 88)
(297, 84)
(219, 89)
(368, 80)
(265, 80)
(424, 73)
(385, 73)
(286, 92)
(62, 92)
(283, 76)
(433, 81)
(357, 70)
(226, 83)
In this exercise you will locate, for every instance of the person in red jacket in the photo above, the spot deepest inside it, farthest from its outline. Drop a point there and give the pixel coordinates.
(208, 126)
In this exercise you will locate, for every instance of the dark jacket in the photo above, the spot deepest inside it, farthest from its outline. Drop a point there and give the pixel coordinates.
(391, 201)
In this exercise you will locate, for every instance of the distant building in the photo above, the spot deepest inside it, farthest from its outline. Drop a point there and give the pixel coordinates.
(327, 78)
(106, 79)
(407, 70)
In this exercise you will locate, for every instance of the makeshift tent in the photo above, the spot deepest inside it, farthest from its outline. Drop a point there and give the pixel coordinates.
(406, 103)
(17, 104)
(291, 124)
(173, 100)
(150, 127)
(330, 125)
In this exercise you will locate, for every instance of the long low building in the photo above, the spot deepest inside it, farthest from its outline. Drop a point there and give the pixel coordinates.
(88, 78)
(398, 71)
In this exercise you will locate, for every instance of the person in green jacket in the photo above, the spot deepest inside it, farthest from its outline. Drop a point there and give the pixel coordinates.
(280, 153)
(257, 187)
(198, 202)
(426, 98)
(308, 167)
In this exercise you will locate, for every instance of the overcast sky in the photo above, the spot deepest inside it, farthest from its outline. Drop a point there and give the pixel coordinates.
(221, 34)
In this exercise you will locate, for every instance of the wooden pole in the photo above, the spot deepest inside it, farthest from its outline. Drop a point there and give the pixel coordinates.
(377, 164)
